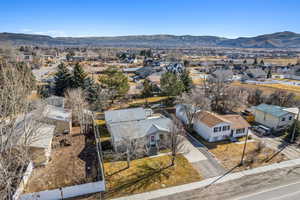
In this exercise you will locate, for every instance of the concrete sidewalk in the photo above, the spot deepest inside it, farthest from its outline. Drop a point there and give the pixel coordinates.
(191, 153)
(201, 184)
(210, 167)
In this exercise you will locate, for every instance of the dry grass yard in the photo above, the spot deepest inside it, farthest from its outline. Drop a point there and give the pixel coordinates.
(147, 174)
(229, 154)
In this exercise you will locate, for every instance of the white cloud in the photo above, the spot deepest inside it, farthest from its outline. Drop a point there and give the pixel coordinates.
(26, 30)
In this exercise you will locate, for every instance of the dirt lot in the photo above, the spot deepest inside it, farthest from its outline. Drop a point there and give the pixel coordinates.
(256, 155)
(230, 153)
(67, 166)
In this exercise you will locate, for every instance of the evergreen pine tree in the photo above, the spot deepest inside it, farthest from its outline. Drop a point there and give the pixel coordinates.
(78, 76)
(186, 80)
(62, 80)
(148, 89)
(113, 79)
(91, 90)
(269, 75)
(255, 61)
(171, 84)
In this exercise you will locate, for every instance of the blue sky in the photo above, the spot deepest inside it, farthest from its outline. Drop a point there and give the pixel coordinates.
(228, 18)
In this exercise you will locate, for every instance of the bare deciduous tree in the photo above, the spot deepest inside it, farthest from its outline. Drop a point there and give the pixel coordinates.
(75, 100)
(9, 52)
(193, 102)
(176, 138)
(281, 98)
(104, 98)
(17, 128)
(132, 150)
(224, 98)
(255, 97)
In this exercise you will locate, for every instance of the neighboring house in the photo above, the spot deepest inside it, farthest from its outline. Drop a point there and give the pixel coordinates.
(183, 111)
(77, 58)
(27, 56)
(223, 74)
(131, 70)
(140, 125)
(144, 72)
(213, 127)
(279, 76)
(294, 111)
(273, 116)
(294, 73)
(56, 101)
(175, 68)
(257, 74)
(35, 135)
(60, 117)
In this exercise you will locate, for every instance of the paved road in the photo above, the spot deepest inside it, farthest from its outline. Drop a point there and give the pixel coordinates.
(286, 192)
(277, 184)
(209, 167)
(40, 73)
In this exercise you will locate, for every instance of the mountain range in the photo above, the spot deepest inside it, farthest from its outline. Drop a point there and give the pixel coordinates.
(275, 40)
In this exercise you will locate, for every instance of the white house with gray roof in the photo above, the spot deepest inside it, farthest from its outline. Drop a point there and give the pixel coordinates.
(137, 124)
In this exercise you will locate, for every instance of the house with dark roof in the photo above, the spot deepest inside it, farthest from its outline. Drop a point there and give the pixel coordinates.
(256, 73)
(175, 67)
(214, 127)
(140, 125)
(223, 74)
(273, 116)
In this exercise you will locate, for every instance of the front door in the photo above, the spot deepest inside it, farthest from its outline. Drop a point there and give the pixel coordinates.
(152, 140)
(231, 135)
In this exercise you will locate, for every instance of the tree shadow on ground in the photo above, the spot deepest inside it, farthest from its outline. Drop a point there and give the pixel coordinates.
(89, 156)
(146, 174)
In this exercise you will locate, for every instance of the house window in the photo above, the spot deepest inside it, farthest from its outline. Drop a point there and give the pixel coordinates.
(283, 119)
(239, 131)
(220, 129)
(226, 128)
(216, 129)
(290, 118)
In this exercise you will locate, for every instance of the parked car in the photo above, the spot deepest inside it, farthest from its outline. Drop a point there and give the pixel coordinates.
(248, 116)
(262, 130)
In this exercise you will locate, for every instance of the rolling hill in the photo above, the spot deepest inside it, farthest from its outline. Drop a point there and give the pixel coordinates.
(276, 40)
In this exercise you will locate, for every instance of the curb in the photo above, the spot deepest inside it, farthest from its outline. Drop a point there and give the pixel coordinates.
(196, 185)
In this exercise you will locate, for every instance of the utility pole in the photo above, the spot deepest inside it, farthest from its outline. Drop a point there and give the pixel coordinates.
(295, 126)
(244, 150)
